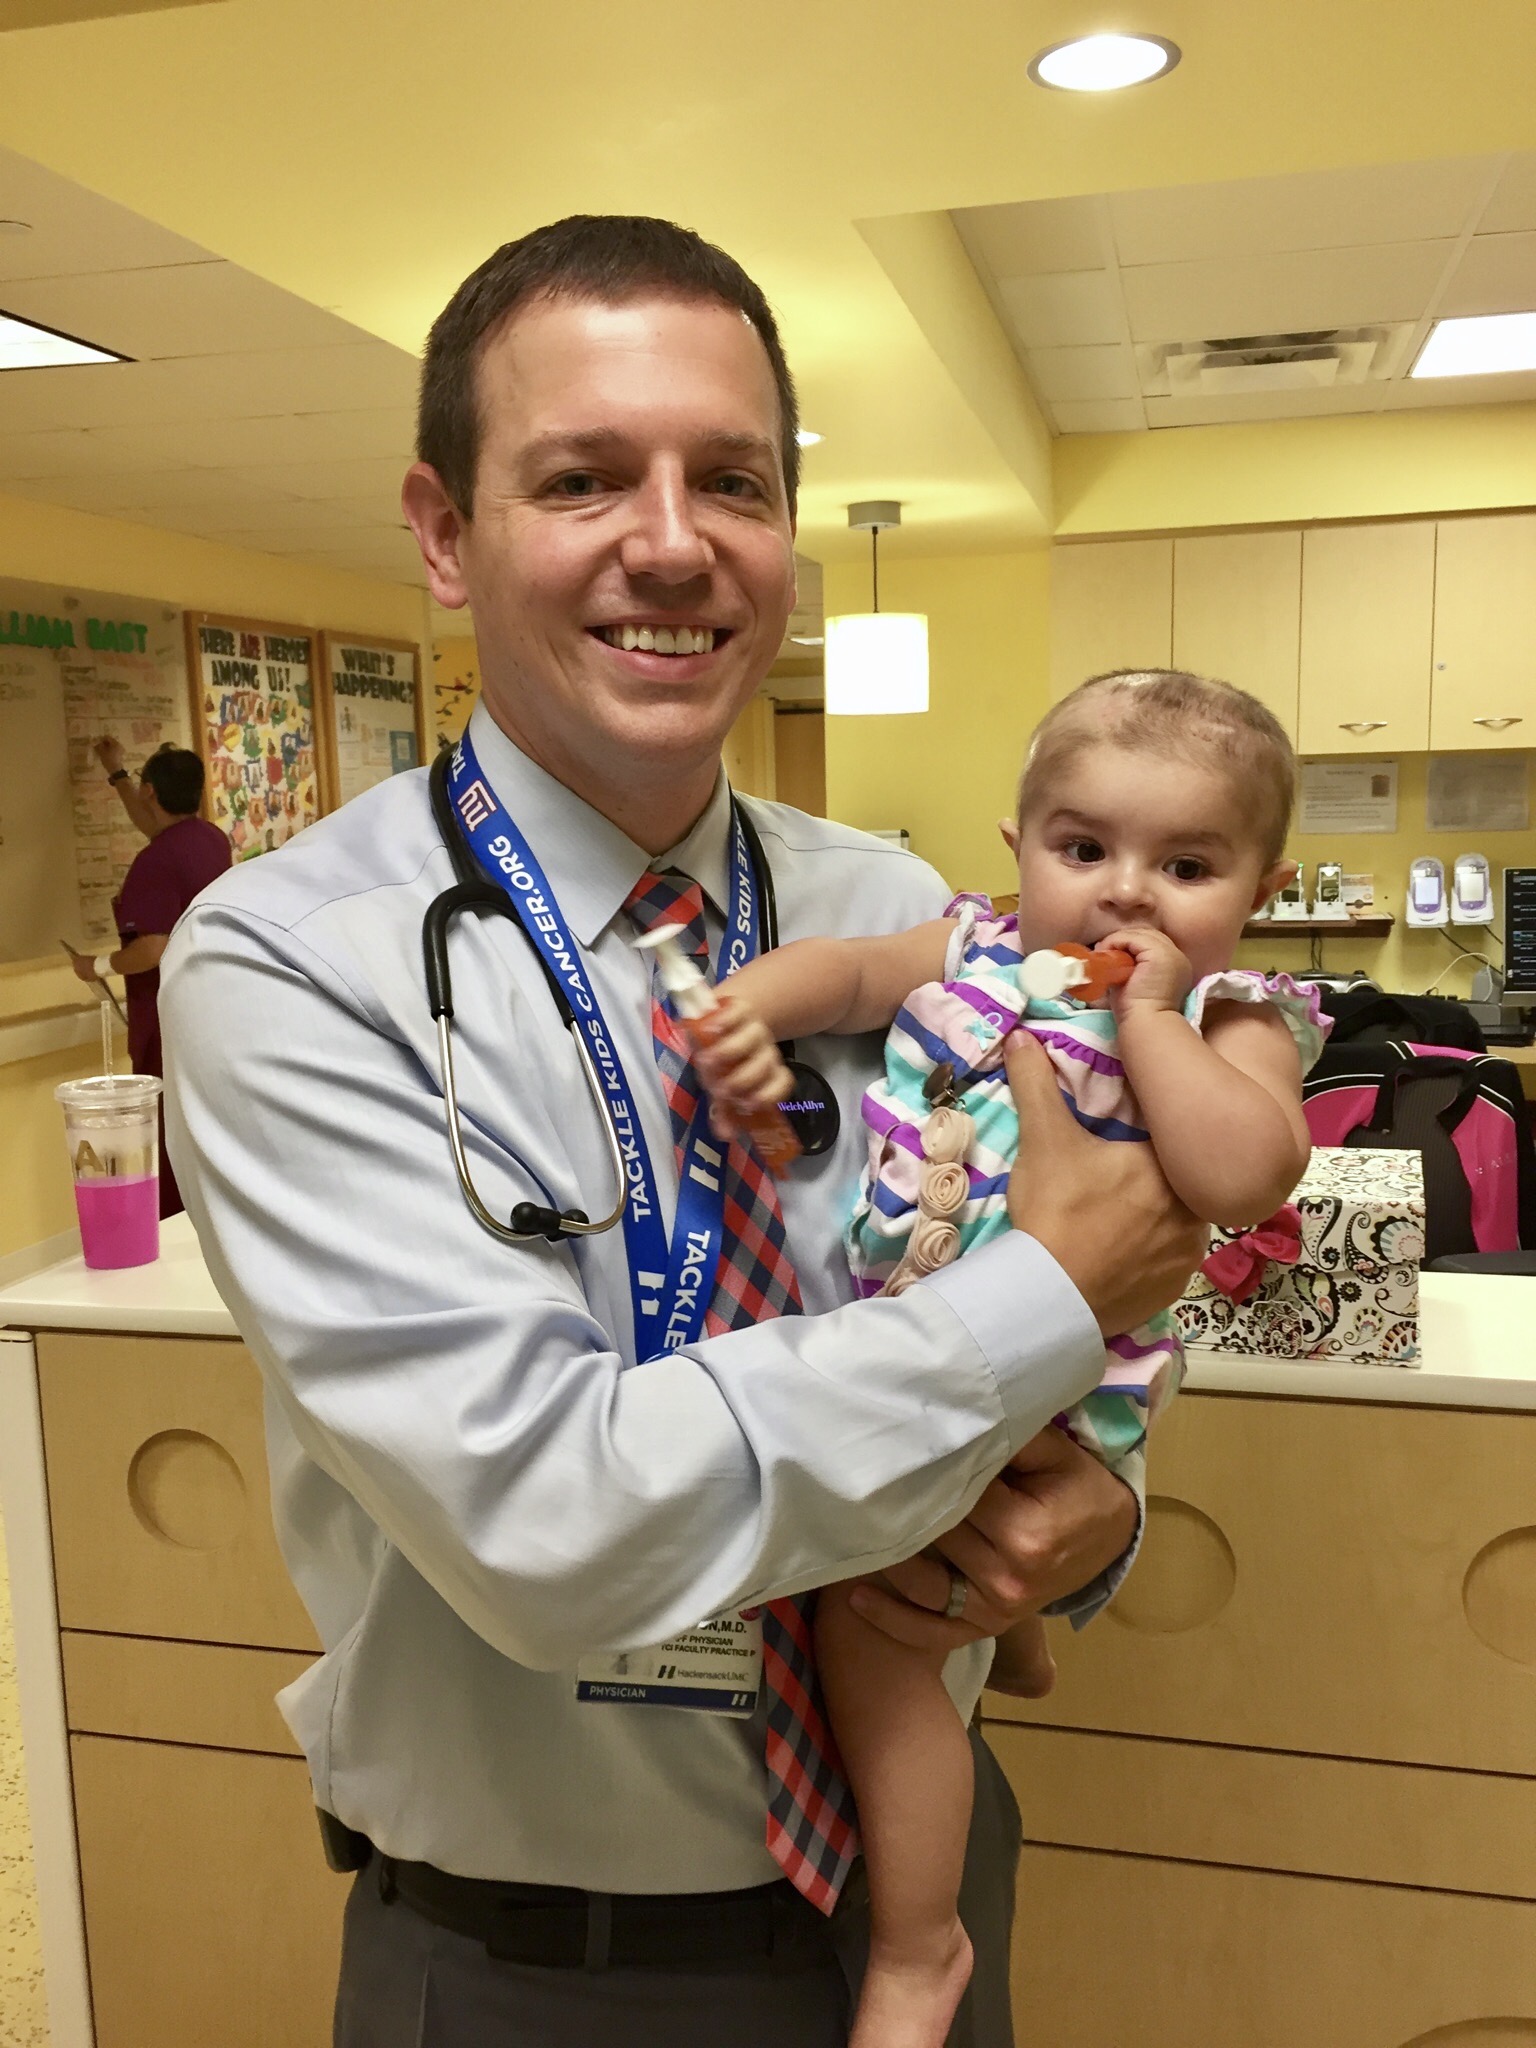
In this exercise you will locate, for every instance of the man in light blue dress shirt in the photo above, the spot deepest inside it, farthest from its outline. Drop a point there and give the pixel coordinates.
(475, 1484)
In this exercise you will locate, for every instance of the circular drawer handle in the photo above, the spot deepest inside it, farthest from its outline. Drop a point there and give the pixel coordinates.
(1361, 724)
(1497, 724)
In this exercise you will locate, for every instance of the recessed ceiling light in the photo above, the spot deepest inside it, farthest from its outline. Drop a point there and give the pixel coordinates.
(807, 639)
(806, 438)
(1483, 347)
(25, 346)
(1103, 63)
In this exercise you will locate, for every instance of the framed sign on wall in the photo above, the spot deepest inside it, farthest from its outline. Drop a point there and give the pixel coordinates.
(375, 717)
(252, 686)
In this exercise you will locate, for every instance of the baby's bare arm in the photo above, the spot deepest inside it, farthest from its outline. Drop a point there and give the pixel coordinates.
(840, 985)
(810, 985)
(1224, 1111)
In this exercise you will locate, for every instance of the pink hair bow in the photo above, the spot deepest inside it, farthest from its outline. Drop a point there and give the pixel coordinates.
(1237, 1267)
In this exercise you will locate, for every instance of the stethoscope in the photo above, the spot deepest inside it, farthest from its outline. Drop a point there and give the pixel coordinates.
(813, 1112)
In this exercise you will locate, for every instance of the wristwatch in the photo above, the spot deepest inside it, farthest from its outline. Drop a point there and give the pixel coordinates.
(118, 775)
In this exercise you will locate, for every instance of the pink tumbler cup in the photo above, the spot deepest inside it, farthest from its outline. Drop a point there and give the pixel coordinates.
(111, 1127)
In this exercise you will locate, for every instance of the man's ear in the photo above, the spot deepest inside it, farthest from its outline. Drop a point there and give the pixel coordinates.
(1009, 827)
(1273, 882)
(438, 525)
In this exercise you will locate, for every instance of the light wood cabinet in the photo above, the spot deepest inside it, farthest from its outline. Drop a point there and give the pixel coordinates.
(1387, 637)
(1485, 633)
(210, 1915)
(157, 1480)
(1328, 1577)
(1367, 621)
(1285, 1791)
(1119, 1951)
(1237, 613)
(1111, 607)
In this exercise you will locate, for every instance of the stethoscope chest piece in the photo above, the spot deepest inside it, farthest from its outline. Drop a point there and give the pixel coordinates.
(811, 1110)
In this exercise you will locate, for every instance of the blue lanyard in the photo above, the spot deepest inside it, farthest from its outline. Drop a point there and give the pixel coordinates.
(670, 1284)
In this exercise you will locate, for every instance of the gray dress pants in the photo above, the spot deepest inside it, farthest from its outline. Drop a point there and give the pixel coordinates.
(406, 1983)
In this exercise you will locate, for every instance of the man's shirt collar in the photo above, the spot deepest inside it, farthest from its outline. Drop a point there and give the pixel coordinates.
(590, 863)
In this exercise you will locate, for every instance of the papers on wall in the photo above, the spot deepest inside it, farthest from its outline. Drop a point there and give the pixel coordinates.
(375, 709)
(75, 666)
(255, 689)
(1478, 793)
(1348, 796)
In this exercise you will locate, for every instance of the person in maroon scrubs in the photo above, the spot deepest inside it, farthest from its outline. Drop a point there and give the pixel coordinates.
(183, 856)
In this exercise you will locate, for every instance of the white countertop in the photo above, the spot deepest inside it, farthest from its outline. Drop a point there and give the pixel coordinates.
(175, 1295)
(1477, 1331)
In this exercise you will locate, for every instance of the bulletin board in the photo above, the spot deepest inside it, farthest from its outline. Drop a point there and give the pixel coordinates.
(253, 698)
(374, 716)
(76, 665)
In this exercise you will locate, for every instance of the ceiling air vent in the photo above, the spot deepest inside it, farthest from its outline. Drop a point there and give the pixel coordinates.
(1249, 363)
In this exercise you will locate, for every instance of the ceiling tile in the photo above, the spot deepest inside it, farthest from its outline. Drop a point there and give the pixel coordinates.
(75, 230)
(1064, 309)
(363, 376)
(1317, 210)
(1512, 209)
(1069, 374)
(380, 474)
(296, 437)
(1099, 416)
(66, 453)
(305, 524)
(1515, 387)
(190, 309)
(1035, 236)
(1496, 274)
(1211, 409)
(1282, 294)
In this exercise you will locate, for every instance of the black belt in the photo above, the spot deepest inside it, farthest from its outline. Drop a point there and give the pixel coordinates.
(770, 1927)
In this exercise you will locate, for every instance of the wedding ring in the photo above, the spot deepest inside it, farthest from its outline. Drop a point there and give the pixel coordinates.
(959, 1592)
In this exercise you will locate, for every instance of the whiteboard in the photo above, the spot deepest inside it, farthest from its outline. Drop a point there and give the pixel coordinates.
(76, 665)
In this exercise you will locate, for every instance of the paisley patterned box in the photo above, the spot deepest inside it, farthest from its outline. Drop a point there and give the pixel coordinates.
(1353, 1294)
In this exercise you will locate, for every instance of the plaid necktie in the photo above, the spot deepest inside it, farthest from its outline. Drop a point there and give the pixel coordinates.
(812, 1829)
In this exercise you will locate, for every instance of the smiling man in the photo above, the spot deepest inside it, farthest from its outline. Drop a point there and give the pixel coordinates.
(577, 1813)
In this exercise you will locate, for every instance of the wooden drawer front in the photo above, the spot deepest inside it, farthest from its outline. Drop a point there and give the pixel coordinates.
(1325, 1576)
(1129, 1952)
(158, 1495)
(1457, 1831)
(210, 1915)
(205, 1693)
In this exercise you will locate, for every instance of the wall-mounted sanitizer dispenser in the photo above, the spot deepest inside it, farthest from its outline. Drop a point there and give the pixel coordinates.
(1471, 890)
(1426, 894)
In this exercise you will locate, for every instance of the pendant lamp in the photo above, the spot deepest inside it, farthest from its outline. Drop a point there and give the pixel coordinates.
(875, 662)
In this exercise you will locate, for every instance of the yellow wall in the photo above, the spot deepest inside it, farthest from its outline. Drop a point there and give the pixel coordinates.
(948, 774)
(1407, 960)
(1282, 472)
(48, 543)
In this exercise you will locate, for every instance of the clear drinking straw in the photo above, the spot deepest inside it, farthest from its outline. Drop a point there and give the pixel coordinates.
(106, 1034)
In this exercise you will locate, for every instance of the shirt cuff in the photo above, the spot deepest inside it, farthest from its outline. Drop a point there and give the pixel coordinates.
(1030, 1324)
(1081, 1607)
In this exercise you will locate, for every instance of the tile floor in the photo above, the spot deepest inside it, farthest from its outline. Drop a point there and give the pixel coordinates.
(23, 2017)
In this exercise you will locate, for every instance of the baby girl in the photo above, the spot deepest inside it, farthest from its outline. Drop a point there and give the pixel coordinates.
(1151, 821)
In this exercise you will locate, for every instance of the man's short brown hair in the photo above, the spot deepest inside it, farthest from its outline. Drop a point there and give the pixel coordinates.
(1170, 711)
(609, 258)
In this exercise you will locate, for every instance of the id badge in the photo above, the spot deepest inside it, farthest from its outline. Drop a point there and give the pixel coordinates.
(715, 1668)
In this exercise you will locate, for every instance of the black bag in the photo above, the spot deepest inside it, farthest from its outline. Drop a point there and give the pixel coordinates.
(1370, 1016)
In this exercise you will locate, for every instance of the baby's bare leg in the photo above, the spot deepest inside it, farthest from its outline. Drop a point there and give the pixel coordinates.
(908, 1759)
(1023, 1664)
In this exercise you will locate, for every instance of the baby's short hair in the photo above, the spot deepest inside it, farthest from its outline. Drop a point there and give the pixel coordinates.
(1170, 711)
